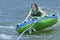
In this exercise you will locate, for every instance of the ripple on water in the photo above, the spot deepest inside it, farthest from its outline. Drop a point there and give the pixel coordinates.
(4, 36)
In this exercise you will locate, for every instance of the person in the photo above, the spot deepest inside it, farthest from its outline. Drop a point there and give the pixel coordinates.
(35, 12)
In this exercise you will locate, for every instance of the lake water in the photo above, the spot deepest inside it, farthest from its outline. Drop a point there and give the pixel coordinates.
(15, 11)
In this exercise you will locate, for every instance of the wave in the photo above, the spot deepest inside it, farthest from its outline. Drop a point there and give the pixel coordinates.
(58, 19)
(4, 36)
(8, 27)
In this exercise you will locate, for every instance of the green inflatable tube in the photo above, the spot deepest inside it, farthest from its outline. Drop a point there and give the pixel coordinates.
(41, 23)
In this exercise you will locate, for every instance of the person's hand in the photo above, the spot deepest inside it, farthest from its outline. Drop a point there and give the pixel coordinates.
(17, 25)
(25, 21)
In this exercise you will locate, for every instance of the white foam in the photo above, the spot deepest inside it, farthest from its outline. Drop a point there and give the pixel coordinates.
(10, 27)
(4, 36)
(54, 25)
(58, 19)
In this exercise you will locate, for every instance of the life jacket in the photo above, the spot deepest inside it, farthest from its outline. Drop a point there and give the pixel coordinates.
(38, 13)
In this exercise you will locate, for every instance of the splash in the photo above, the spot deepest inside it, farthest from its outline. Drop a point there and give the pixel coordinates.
(4, 36)
(8, 27)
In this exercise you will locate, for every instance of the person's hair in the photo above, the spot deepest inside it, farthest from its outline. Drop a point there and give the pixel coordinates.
(35, 5)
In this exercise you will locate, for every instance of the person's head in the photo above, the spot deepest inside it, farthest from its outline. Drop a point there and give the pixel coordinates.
(34, 7)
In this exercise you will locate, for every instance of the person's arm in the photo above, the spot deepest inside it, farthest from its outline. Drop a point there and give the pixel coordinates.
(42, 12)
(28, 16)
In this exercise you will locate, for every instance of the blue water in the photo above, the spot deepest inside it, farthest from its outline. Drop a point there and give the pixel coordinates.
(15, 11)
